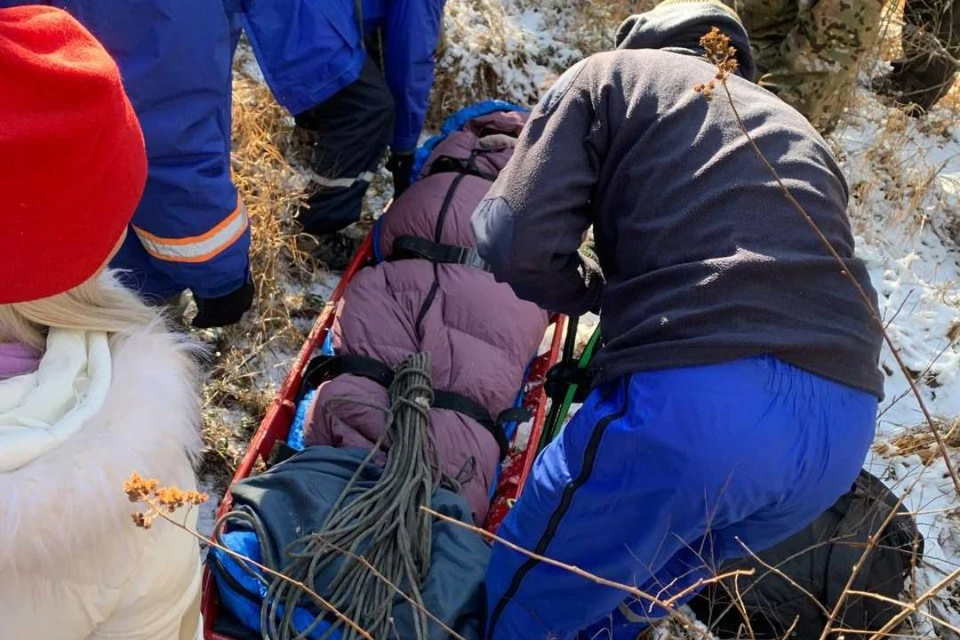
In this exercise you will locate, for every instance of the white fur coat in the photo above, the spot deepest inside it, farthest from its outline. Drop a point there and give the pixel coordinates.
(72, 564)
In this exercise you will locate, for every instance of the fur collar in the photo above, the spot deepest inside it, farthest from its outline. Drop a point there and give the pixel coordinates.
(69, 504)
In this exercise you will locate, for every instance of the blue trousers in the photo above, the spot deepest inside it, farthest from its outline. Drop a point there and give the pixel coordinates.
(661, 477)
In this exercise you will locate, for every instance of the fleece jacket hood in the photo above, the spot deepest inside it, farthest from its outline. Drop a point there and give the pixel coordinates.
(678, 25)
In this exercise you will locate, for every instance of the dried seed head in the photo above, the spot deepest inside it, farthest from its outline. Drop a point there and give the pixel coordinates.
(706, 90)
(142, 520)
(139, 489)
(717, 49)
(197, 498)
(159, 499)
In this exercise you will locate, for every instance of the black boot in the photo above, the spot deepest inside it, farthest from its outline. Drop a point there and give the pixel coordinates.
(332, 250)
(348, 135)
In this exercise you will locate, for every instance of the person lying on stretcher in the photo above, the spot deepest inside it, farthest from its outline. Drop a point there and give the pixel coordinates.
(431, 294)
(428, 326)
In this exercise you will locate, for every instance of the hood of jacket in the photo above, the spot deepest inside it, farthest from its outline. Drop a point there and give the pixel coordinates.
(678, 25)
(65, 511)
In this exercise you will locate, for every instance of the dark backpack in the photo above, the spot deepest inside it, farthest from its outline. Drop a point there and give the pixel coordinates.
(820, 559)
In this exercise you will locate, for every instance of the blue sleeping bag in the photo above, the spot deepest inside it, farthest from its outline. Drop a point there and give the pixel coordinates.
(295, 497)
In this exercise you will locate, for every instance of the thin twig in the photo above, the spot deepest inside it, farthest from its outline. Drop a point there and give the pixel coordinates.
(922, 375)
(276, 574)
(896, 313)
(373, 570)
(703, 582)
(849, 276)
(790, 580)
(789, 632)
(913, 608)
(894, 622)
(633, 591)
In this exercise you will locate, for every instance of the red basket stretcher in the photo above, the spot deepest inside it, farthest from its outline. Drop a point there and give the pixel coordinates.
(280, 415)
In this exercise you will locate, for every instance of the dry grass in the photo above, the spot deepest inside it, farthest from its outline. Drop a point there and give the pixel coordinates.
(473, 56)
(487, 53)
(271, 188)
(592, 24)
(921, 442)
(909, 186)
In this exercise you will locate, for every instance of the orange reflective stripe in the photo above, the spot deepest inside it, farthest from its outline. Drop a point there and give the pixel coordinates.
(197, 248)
(240, 210)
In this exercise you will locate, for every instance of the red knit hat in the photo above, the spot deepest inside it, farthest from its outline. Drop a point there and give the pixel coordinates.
(72, 160)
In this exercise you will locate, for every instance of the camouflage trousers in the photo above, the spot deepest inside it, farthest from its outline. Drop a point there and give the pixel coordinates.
(808, 52)
(931, 51)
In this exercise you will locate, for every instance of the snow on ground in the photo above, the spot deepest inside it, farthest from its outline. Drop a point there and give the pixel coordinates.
(904, 177)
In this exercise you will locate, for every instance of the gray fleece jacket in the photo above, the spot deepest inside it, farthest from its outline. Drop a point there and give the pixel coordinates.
(703, 257)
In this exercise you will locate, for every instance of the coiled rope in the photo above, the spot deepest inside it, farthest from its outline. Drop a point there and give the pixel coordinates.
(384, 524)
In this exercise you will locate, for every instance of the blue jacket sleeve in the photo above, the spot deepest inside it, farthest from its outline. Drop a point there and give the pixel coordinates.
(175, 60)
(411, 35)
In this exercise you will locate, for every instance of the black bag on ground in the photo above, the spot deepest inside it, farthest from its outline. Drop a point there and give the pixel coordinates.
(820, 559)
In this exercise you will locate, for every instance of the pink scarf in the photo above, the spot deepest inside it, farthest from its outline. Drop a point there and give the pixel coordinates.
(17, 359)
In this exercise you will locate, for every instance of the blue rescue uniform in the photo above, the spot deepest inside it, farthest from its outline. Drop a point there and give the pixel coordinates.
(190, 230)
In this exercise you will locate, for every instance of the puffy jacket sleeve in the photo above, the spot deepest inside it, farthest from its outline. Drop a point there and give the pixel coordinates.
(533, 219)
(175, 59)
(411, 36)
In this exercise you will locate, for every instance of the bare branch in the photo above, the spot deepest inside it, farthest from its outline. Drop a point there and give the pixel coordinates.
(164, 514)
(633, 591)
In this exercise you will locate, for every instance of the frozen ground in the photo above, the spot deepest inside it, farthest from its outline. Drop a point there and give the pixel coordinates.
(904, 177)
(907, 175)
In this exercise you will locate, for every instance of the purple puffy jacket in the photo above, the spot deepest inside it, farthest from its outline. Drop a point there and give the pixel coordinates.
(479, 334)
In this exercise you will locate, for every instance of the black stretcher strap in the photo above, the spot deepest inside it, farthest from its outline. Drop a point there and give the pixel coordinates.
(412, 247)
(464, 166)
(323, 368)
(467, 407)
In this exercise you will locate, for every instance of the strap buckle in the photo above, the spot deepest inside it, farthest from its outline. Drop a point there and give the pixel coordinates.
(437, 252)
(471, 257)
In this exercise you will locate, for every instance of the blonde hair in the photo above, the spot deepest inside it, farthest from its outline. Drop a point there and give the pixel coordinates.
(99, 304)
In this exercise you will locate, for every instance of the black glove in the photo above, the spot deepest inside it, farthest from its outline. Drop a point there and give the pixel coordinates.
(225, 310)
(564, 374)
(401, 166)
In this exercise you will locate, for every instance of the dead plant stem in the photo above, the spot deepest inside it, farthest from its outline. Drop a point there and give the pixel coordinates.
(911, 607)
(374, 571)
(894, 622)
(632, 591)
(874, 539)
(789, 580)
(276, 574)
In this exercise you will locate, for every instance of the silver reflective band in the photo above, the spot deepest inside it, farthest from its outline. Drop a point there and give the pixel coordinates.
(345, 183)
(196, 248)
